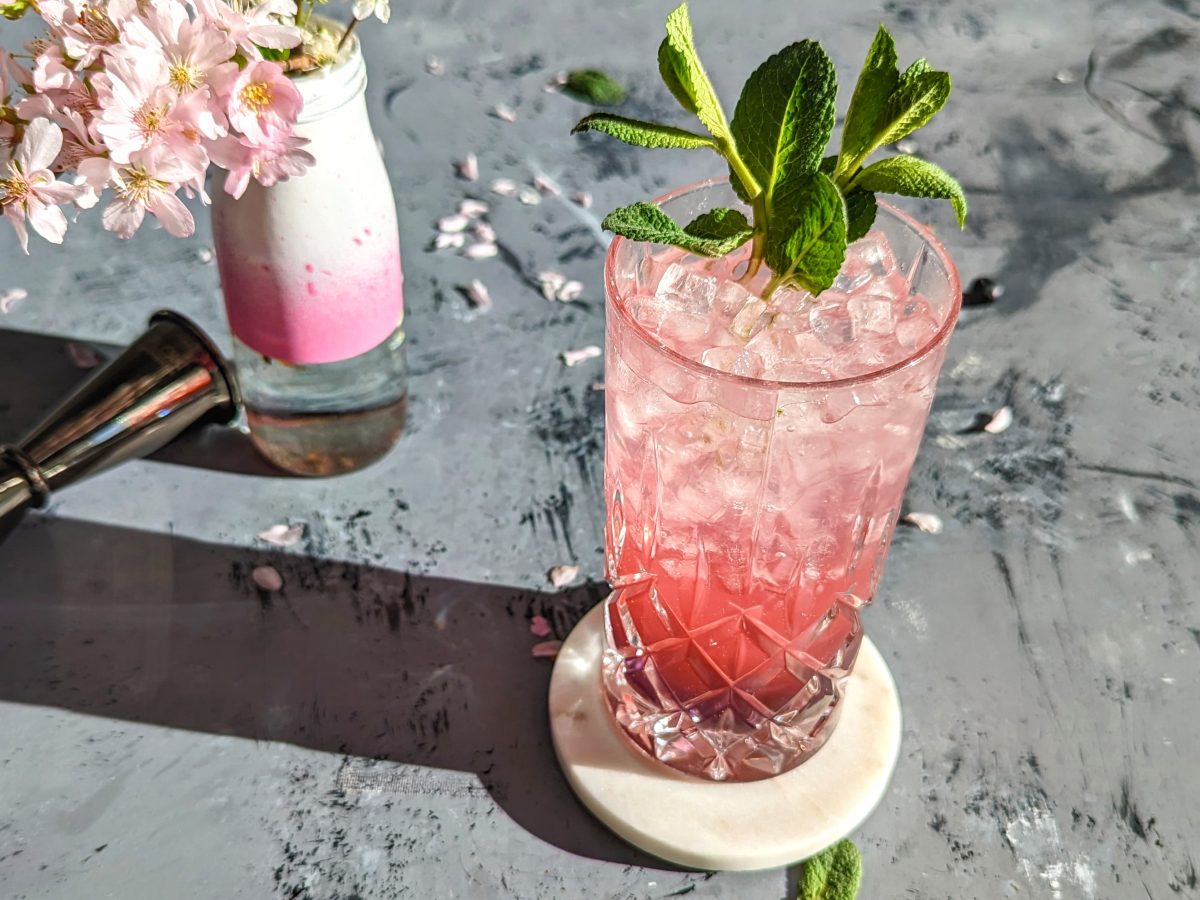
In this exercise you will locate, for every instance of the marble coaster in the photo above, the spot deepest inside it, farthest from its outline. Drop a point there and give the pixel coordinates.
(714, 825)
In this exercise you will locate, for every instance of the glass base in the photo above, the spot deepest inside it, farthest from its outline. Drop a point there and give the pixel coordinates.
(329, 418)
(730, 700)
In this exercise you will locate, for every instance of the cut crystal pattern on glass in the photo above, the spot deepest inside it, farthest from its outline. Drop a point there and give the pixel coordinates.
(748, 521)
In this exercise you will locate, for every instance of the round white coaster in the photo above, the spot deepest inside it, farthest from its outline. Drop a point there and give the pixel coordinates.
(719, 825)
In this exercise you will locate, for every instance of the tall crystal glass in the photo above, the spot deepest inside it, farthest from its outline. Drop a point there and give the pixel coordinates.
(748, 520)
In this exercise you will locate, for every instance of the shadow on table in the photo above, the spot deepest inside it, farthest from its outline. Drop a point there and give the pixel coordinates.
(345, 659)
(36, 371)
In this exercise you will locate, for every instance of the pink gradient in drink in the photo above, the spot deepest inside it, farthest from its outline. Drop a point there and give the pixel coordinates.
(754, 467)
(315, 312)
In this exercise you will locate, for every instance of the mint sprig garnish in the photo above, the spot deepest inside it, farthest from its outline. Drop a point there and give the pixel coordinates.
(807, 205)
(833, 874)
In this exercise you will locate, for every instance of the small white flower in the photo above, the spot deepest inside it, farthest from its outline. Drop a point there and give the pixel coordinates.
(546, 649)
(926, 522)
(482, 251)
(477, 293)
(11, 297)
(551, 283)
(473, 209)
(446, 241)
(561, 576)
(282, 535)
(468, 168)
(1000, 421)
(570, 291)
(267, 578)
(505, 187)
(529, 197)
(381, 9)
(484, 233)
(453, 224)
(546, 185)
(575, 357)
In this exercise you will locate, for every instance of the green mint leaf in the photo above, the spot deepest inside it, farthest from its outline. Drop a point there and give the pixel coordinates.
(713, 234)
(833, 874)
(644, 134)
(806, 241)
(860, 214)
(877, 82)
(912, 105)
(920, 67)
(721, 225)
(785, 115)
(666, 69)
(913, 177)
(593, 86)
(683, 73)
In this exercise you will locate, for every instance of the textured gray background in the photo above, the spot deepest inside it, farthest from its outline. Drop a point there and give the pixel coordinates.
(165, 731)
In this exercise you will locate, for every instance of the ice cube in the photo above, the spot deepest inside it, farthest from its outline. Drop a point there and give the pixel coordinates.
(685, 285)
(681, 310)
(915, 331)
(831, 321)
(745, 322)
(874, 252)
(791, 300)
(917, 324)
(789, 351)
(731, 297)
(734, 360)
(872, 314)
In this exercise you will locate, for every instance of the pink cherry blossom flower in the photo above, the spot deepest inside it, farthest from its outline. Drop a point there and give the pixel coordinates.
(87, 27)
(268, 164)
(139, 110)
(78, 141)
(147, 185)
(248, 23)
(29, 189)
(263, 103)
(191, 49)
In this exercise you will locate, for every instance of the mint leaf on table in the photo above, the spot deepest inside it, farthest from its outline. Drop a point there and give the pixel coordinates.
(644, 134)
(680, 66)
(877, 82)
(715, 233)
(594, 86)
(806, 241)
(913, 177)
(833, 874)
(784, 116)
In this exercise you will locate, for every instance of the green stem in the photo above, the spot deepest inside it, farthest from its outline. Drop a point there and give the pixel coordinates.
(759, 247)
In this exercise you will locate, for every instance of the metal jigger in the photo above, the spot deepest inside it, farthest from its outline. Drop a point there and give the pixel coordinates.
(169, 379)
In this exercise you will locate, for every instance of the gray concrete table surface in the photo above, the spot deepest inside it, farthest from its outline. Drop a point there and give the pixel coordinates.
(378, 729)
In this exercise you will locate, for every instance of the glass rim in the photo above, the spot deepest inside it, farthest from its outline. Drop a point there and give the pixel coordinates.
(745, 381)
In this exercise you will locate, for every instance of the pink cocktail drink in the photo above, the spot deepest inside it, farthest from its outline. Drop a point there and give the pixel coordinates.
(756, 456)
